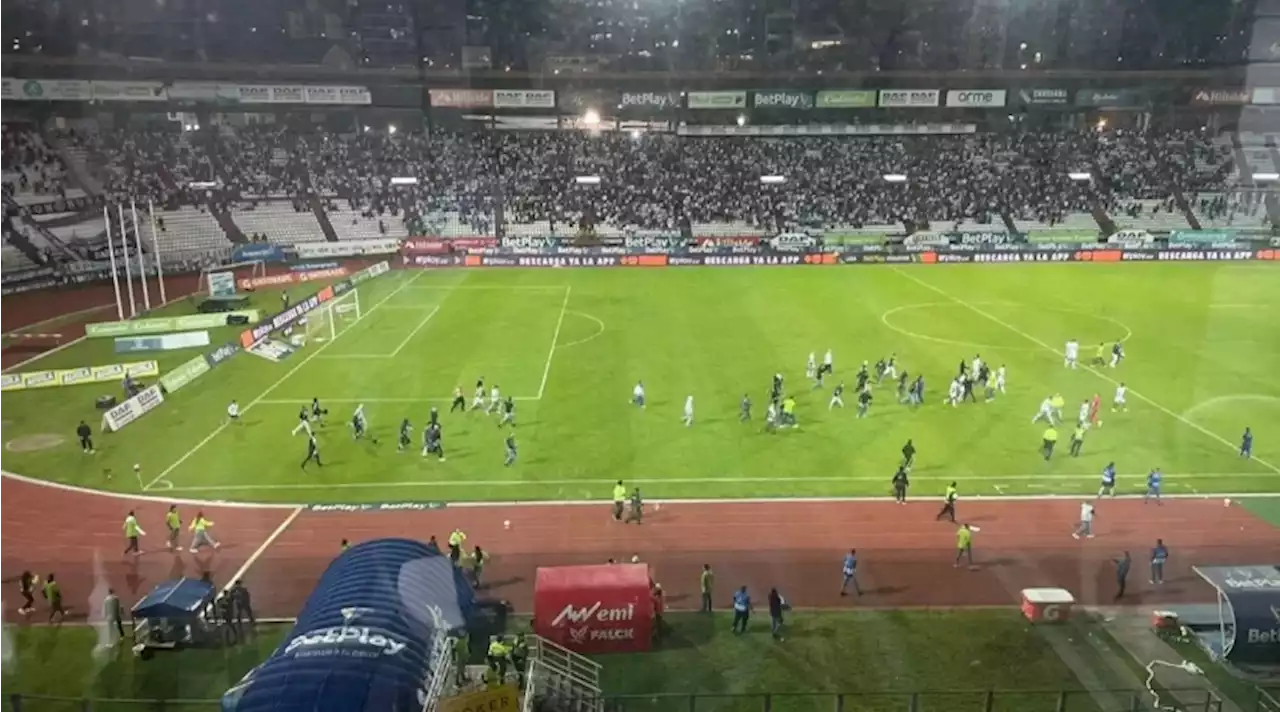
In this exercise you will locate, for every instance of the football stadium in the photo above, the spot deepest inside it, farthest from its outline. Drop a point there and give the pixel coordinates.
(588, 357)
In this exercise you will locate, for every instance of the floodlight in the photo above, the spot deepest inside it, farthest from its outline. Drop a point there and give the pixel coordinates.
(895, 177)
(772, 180)
(1080, 175)
(742, 120)
(404, 180)
(591, 117)
(1266, 177)
(587, 180)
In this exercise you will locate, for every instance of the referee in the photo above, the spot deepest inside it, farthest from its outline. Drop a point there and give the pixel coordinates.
(86, 437)
(949, 504)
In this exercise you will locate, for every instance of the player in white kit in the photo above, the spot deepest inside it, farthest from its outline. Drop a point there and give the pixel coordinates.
(1083, 420)
(1046, 412)
(495, 399)
(1000, 379)
(1118, 402)
(1071, 354)
(688, 411)
(811, 367)
(954, 393)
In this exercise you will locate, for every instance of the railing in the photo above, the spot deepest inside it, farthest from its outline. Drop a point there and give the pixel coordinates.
(938, 701)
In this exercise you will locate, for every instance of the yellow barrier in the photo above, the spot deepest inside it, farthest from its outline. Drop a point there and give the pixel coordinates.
(77, 376)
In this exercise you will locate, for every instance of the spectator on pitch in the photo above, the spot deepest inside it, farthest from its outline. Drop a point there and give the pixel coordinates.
(741, 610)
(1123, 564)
(659, 601)
(635, 512)
(901, 482)
(706, 584)
(776, 605)
(478, 559)
(243, 604)
(1085, 527)
(433, 546)
(849, 573)
(1159, 555)
(112, 617)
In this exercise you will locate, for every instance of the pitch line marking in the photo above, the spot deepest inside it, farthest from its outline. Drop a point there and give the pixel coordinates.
(599, 322)
(1016, 479)
(396, 351)
(587, 501)
(288, 374)
(494, 287)
(1090, 369)
(262, 548)
(426, 399)
(555, 339)
(884, 319)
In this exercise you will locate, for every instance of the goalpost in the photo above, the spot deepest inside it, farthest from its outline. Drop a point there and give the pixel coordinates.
(333, 317)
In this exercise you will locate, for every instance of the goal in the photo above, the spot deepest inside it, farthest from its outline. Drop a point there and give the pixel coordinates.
(333, 317)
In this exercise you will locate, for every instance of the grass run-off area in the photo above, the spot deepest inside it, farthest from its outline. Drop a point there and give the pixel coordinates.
(876, 658)
(569, 345)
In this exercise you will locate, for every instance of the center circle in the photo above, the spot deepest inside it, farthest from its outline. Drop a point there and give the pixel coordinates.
(885, 319)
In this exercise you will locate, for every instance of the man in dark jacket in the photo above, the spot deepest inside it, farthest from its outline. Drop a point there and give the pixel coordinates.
(775, 612)
(1123, 564)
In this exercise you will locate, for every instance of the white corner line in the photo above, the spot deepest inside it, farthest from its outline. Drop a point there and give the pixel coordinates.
(555, 338)
(262, 548)
(1090, 369)
(396, 351)
(270, 389)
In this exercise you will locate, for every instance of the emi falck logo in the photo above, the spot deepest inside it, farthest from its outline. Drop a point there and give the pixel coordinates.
(579, 635)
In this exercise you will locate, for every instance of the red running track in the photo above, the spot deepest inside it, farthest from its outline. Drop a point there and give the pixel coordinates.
(905, 556)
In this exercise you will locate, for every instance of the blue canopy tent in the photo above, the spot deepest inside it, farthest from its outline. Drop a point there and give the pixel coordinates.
(168, 618)
(366, 638)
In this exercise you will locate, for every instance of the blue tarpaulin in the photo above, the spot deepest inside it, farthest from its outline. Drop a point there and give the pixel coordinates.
(366, 636)
(179, 598)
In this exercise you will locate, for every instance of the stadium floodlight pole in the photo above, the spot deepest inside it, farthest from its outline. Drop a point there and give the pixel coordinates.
(155, 245)
(142, 265)
(111, 257)
(128, 271)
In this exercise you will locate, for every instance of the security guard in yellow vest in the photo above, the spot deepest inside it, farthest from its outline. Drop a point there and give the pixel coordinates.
(499, 655)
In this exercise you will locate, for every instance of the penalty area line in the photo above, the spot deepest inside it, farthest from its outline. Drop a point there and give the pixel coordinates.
(271, 388)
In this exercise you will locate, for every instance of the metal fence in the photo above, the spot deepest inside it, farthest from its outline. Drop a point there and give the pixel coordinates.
(937, 701)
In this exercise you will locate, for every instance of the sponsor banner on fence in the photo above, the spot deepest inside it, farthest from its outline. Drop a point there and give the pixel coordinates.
(272, 280)
(793, 242)
(846, 99)
(728, 241)
(1042, 97)
(976, 98)
(129, 91)
(1267, 96)
(648, 100)
(579, 101)
(285, 318)
(1226, 239)
(184, 373)
(313, 266)
(77, 376)
(1132, 98)
(222, 353)
(161, 325)
(441, 245)
(781, 99)
(48, 90)
(346, 248)
(909, 98)
(461, 98)
(258, 252)
(132, 409)
(831, 130)
(164, 342)
(716, 99)
(1210, 97)
(271, 350)
(524, 99)
(1131, 238)
(986, 238)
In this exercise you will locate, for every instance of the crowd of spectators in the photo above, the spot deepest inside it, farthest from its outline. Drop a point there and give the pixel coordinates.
(468, 180)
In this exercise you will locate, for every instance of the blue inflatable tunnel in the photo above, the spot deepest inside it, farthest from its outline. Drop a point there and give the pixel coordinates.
(366, 638)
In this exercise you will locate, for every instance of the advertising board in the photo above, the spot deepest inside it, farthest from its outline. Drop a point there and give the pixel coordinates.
(162, 325)
(524, 99)
(977, 98)
(251, 336)
(441, 245)
(346, 248)
(221, 284)
(594, 609)
(275, 280)
(57, 378)
(716, 99)
(127, 412)
(162, 342)
(461, 98)
(781, 99)
(1044, 97)
(647, 100)
(846, 99)
(184, 373)
(909, 98)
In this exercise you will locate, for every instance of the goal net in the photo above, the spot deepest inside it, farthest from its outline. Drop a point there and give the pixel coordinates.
(333, 317)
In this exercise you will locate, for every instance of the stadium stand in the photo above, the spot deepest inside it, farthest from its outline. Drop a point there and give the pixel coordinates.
(285, 187)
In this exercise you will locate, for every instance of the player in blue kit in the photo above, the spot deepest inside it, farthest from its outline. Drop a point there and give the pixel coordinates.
(1108, 488)
(1154, 479)
(1246, 444)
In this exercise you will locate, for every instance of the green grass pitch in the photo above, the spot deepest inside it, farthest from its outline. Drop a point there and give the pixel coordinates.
(1202, 344)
